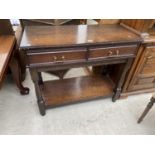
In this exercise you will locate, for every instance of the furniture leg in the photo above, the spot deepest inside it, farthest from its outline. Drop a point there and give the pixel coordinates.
(118, 88)
(40, 78)
(147, 109)
(36, 77)
(16, 72)
(22, 62)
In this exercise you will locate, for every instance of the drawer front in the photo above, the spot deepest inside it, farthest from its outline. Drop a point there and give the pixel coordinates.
(144, 74)
(56, 57)
(149, 63)
(144, 83)
(142, 87)
(112, 51)
(148, 70)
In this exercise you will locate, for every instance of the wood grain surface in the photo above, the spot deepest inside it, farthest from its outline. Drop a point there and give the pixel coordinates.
(51, 36)
(61, 92)
(6, 45)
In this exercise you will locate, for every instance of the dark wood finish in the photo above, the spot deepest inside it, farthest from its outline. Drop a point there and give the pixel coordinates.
(7, 43)
(17, 74)
(36, 78)
(46, 46)
(44, 37)
(144, 73)
(112, 51)
(6, 27)
(50, 22)
(118, 88)
(141, 78)
(9, 56)
(76, 89)
(147, 69)
(57, 56)
(147, 109)
(18, 33)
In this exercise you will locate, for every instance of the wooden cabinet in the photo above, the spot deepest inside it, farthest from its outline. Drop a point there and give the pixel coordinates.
(141, 77)
(144, 77)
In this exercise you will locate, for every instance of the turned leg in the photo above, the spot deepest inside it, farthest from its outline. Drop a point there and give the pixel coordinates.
(147, 109)
(118, 88)
(40, 78)
(16, 72)
(36, 78)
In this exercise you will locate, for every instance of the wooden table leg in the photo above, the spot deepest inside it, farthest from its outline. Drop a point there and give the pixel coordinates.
(118, 89)
(147, 109)
(37, 79)
(22, 62)
(40, 78)
(16, 72)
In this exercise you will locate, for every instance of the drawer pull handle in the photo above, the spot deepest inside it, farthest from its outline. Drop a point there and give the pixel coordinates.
(110, 53)
(117, 52)
(63, 57)
(55, 58)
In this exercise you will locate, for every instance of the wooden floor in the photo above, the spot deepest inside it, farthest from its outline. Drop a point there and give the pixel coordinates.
(61, 92)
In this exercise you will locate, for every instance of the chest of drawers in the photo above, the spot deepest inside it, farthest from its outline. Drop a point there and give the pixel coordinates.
(144, 76)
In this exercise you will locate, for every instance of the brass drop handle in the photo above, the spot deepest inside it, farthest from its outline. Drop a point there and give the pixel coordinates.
(117, 52)
(63, 57)
(110, 53)
(55, 58)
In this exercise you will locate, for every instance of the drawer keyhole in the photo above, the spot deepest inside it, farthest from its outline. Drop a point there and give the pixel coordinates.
(63, 57)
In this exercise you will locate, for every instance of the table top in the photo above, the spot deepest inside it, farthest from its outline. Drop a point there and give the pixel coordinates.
(71, 35)
(50, 21)
(6, 45)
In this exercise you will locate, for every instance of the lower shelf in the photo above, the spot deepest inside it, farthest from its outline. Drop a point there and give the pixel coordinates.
(66, 91)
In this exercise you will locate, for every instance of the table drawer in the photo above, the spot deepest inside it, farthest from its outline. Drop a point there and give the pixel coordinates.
(143, 83)
(148, 70)
(142, 87)
(112, 51)
(149, 62)
(56, 57)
